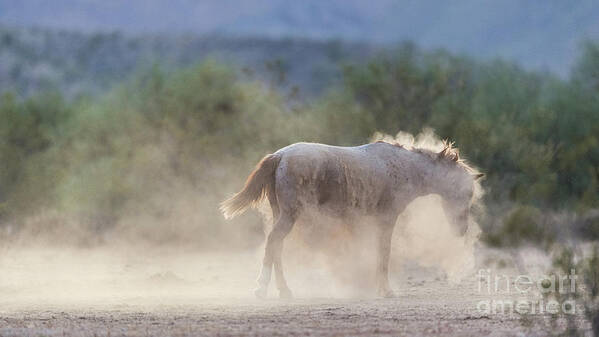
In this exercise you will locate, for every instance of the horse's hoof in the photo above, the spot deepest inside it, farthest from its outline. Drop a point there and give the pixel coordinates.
(260, 293)
(285, 294)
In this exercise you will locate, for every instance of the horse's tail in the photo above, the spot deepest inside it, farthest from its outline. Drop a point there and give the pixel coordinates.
(260, 183)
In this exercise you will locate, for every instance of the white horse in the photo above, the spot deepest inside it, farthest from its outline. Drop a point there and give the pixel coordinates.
(374, 181)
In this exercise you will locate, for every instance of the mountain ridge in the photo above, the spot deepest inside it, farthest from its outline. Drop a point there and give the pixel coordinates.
(537, 34)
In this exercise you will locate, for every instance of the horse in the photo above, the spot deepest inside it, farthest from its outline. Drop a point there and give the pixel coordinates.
(372, 181)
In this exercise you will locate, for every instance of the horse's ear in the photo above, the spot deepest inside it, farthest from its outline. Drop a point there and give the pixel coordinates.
(478, 176)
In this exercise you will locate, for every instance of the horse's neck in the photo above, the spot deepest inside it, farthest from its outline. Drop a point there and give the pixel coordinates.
(423, 174)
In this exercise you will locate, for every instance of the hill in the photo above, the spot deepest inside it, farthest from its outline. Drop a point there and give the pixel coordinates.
(87, 63)
(536, 34)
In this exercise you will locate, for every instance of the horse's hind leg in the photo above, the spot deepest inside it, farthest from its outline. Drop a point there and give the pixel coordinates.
(272, 254)
(284, 291)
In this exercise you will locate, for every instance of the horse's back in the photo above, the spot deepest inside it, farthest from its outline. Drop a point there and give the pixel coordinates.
(332, 178)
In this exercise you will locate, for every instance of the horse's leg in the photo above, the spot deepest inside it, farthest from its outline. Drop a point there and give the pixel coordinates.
(385, 232)
(272, 254)
(284, 291)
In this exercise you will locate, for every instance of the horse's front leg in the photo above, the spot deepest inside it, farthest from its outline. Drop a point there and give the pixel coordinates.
(385, 232)
(272, 254)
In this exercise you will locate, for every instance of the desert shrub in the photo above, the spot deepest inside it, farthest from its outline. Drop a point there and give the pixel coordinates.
(588, 225)
(134, 157)
(133, 154)
(28, 130)
(524, 225)
(583, 318)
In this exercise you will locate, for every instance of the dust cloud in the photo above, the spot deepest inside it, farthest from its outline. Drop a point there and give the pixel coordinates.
(184, 252)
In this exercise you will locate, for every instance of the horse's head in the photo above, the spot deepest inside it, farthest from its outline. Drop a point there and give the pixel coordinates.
(457, 189)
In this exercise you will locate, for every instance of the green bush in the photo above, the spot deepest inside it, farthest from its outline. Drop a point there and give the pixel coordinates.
(196, 133)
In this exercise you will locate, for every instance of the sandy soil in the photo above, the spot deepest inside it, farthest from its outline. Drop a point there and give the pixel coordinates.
(92, 294)
(408, 315)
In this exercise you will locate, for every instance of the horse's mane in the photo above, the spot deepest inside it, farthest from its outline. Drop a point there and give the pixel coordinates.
(449, 153)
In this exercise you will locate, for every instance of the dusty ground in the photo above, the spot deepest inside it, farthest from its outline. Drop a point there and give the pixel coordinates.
(60, 293)
(408, 315)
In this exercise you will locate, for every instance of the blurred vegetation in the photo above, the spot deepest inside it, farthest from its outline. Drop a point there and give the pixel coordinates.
(575, 269)
(168, 137)
(35, 59)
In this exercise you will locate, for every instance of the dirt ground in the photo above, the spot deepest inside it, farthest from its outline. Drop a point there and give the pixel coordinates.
(405, 316)
(60, 293)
